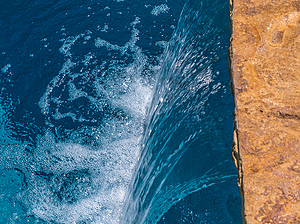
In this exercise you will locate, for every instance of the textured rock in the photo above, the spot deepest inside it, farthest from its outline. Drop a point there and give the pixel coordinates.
(265, 74)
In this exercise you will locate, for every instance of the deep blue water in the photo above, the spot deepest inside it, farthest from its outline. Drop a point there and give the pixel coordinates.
(116, 111)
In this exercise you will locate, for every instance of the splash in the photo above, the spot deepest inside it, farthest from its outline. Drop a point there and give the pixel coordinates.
(80, 169)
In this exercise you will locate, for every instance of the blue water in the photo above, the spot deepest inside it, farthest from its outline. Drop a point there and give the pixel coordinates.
(116, 111)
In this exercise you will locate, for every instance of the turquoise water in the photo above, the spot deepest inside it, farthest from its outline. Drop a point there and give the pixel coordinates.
(116, 111)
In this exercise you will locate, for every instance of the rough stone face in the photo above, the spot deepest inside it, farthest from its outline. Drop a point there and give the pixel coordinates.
(265, 74)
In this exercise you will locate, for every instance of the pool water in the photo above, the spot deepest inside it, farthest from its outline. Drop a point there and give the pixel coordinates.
(116, 111)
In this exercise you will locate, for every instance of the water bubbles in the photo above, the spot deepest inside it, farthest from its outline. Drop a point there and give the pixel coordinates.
(6, 68)
(105, 28)
(72, 186)
(80, 169)
(92, 112)
(163, 8)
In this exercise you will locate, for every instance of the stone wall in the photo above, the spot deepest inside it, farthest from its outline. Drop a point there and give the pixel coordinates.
(265, 75)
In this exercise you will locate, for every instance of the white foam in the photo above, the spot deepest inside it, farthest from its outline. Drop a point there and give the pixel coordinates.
(131, 44)
(6, 68)
(68, 43)
(69, 181)
(105, 28)
(163, 8)
(109, 170)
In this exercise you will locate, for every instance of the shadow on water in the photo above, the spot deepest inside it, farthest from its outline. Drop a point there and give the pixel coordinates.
(186, 166)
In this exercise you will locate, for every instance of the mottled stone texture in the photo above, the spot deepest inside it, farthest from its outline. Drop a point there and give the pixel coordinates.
(265, 75)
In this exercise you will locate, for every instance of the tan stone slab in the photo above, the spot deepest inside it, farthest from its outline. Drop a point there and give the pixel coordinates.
(265, 74)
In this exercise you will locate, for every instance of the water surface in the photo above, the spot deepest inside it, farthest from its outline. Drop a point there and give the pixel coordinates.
(116, 111)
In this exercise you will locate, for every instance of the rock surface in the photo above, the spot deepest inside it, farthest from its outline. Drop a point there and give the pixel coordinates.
(265, 75)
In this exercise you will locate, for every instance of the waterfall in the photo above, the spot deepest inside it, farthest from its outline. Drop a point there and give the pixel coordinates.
(187, 142)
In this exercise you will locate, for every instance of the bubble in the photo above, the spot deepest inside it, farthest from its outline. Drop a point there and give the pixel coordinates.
(163, 8)
(6, 68)
(95, 109)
